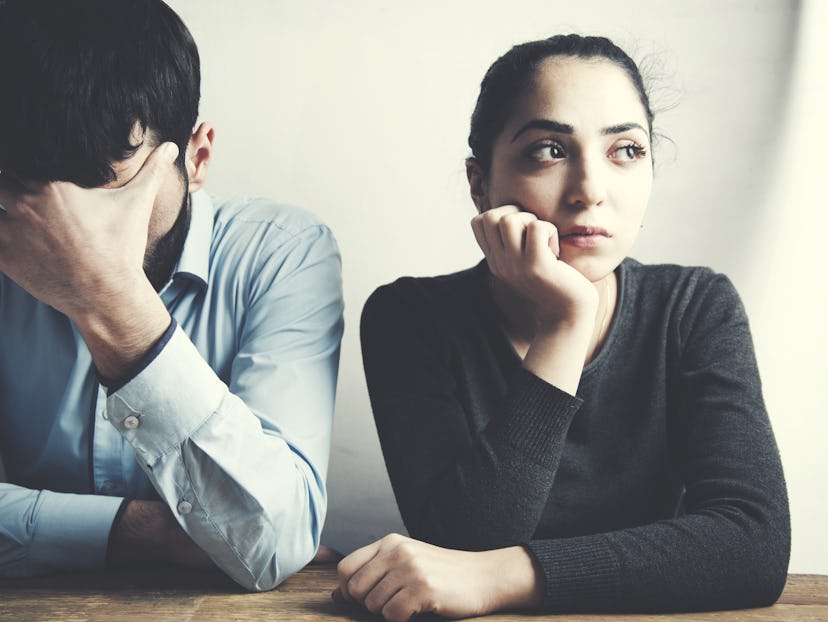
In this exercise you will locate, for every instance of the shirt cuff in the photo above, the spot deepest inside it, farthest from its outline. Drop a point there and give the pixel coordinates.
(72, 531)
(142, 364)
(168, 400)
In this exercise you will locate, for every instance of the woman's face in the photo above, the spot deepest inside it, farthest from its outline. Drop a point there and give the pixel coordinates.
(576, 153)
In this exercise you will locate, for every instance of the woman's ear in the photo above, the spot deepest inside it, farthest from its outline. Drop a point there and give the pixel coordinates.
(199, 150)
(477, 184)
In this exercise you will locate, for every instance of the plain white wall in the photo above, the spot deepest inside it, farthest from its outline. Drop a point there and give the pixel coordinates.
(359, 111)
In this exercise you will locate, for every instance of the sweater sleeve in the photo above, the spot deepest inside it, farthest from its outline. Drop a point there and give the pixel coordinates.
(455, 485)
(729, 548)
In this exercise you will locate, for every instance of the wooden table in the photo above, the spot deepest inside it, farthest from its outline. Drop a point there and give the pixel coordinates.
(172, 596)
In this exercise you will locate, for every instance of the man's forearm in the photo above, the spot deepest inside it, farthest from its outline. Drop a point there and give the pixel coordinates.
(147, 532)
(120, 336)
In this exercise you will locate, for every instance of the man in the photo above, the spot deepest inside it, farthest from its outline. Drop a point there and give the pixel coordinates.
(168, 360)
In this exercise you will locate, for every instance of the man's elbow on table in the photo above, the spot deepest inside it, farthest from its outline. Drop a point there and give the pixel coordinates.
(280, 565)
(270, 551)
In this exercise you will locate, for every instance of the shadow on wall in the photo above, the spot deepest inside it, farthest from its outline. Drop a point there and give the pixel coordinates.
(787, 294)
(772, 139)
(716, 116)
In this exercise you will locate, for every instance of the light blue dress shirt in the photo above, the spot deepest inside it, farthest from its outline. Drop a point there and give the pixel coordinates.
(229, 422)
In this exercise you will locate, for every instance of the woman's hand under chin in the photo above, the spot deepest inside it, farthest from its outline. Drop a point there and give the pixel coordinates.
(399, 577)
(522, 251)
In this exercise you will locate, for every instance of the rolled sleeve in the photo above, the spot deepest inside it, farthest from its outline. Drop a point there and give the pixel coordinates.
(177, 381)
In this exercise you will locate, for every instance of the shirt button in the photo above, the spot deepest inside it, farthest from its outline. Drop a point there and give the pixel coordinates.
(185, 507)
(104, 415)
(131, 422)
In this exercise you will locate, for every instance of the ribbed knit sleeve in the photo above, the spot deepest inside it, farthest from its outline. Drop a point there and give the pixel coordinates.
(728, 547)
(457, 484)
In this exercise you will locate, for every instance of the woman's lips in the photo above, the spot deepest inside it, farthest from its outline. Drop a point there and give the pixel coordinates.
(584, 237)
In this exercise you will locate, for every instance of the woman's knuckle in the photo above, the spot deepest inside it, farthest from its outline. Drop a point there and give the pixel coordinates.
(405, 554)
(373, 603)
(490, 218)
(395, 611)
(343, 569)
(356, 588)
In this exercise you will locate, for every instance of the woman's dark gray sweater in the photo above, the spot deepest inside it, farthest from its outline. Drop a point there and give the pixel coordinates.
(658, 488)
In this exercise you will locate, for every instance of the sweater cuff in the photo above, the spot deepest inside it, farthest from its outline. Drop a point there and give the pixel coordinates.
(580, 574)
(538, 416)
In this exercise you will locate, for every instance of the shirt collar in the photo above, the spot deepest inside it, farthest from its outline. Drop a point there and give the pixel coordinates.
(194, 262)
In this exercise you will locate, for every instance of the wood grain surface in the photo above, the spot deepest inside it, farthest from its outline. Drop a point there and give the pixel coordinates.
(178, 595)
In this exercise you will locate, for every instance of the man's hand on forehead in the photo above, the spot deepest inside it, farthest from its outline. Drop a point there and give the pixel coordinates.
(71, 247)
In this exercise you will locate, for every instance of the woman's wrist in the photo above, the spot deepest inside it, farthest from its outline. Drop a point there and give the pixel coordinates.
(515, 582)
(558, 350)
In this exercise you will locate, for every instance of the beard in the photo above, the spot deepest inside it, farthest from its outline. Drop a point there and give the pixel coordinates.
(161, 257)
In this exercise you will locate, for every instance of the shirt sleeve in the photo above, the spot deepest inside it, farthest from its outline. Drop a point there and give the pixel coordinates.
(730, 545)
(457, 486)
(43, 531)
(242, 467)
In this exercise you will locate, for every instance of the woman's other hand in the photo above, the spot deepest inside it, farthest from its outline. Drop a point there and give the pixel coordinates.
(399, 577)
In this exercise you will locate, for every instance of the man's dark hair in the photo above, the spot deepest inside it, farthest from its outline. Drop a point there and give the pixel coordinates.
(78, 75)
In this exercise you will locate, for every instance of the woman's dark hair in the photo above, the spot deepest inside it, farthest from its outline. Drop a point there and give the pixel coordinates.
(511, 74)
(78, 75)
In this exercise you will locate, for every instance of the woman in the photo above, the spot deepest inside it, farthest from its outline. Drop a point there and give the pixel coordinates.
(566, 428)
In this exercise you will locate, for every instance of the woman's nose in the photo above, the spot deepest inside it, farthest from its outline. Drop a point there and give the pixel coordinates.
(585, 183)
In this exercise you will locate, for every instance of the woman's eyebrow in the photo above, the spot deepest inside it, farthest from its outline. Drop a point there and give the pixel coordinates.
(564, 128)
(544, 124)
(623, 127)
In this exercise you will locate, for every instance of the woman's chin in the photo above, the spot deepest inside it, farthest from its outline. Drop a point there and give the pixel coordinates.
(593, 268)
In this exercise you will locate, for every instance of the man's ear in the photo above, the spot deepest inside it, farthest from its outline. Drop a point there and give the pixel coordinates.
(477, 184)
(199, 150)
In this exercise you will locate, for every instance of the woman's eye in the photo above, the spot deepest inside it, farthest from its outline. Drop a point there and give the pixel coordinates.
(547, 152)
(628, 153)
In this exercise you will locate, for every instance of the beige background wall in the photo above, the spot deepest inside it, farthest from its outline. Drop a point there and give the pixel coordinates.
(359, 111)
